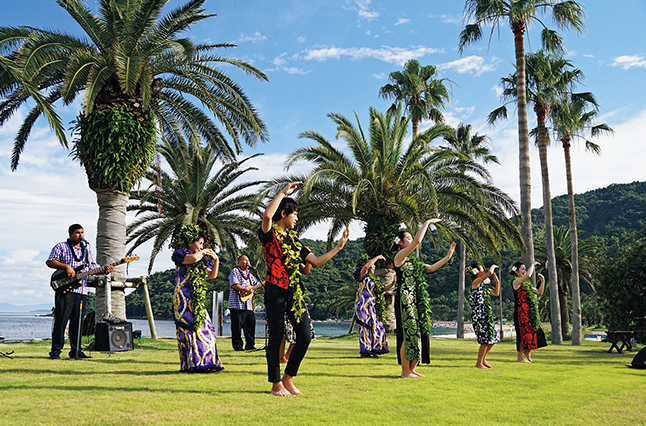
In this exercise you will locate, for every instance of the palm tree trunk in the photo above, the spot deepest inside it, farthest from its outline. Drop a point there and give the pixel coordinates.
(518, 29)
(461, 285)
(387, 276)
(565, 313)
(557, 337)
(110, 245)
(577, 337)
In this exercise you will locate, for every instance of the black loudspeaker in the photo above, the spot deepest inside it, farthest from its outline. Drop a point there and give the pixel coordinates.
(113, 337)
(640, 359)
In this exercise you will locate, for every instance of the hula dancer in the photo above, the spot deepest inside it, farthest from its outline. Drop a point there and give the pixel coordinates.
(284, 254)
(481, 310)
(411, 301)
(526, 318)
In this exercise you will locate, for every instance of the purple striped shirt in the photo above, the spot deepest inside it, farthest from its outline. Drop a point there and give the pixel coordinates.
(62, 253)
(244, 280)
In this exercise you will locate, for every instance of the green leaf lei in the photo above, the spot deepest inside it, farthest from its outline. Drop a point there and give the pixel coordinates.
(288, 240)
(380, 300)
(488, 309)
(533, 304)
(413, 271)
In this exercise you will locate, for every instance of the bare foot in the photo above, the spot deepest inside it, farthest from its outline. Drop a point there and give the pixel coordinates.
(482, 366)
(417, 374)
(283, 360)
(410, 375)
(375, 356)
(279, 390)
(289, 385)
(522, 360)
(486, 364)
(365, 355)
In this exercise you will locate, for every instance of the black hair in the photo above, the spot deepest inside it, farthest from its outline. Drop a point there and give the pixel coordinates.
(515, 265)
(288, 205)
(473, 267)
(73, 228)
(240, 257)
(400, 234)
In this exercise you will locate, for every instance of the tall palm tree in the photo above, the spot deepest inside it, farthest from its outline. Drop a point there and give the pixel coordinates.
(571, 117)
(194, 191)
(519, 14)
(137, 77)
(589, 259)
(548, 77)
(419, 90)
(383, 185)
(473, 148)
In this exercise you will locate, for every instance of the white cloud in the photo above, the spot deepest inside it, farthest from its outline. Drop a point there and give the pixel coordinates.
(252, 38)
(475, 65)
(497, 89)
(364, 12)
(395, 55)
(381, 76)
(448, 19)
(301, 39)
(629, 61)
(402, 21)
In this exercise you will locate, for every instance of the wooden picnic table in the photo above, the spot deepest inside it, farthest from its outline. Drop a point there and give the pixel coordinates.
(623, 337)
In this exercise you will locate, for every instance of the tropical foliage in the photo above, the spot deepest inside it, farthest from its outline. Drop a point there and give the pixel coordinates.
(419, 90)
(519, 14)
(194, 191)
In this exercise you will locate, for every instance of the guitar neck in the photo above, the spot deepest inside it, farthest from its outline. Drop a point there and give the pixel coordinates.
(96, 270)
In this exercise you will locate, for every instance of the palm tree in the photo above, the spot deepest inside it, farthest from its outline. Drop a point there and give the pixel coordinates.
(548, 77)
(589, 259)
(136, 76)
(519, 14)
(472, 148)
(193, 192)
(571, 116)
(384, 185)
(419, 90)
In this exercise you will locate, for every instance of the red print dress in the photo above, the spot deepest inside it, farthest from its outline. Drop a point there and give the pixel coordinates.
(525, 331)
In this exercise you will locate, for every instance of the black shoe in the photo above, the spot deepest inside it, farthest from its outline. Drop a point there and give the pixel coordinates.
(54, 356)
(238, 349)
(251, 349)
(81, 355)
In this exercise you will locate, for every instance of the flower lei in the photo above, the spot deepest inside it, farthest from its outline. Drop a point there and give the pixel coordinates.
(533, 304)
(288, 240)
(413, 271)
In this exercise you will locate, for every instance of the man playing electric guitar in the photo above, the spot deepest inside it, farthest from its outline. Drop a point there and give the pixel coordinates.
(242, 285)
(68, 256)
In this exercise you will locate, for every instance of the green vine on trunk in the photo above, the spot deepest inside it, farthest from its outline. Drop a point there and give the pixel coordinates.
(115, 145)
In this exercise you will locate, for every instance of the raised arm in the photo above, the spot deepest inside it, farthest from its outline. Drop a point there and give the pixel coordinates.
(541, 288)
(483, 277)
(442, 261)
(199, 255)
(496, 291)
(402, 254)
(271, 208)
(317, 261)
(370, 262)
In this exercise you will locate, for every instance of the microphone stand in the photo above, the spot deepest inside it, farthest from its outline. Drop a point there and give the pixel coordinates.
(78, 337)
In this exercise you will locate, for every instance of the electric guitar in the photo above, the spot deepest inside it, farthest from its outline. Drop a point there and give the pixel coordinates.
(61, 283)
(250, 295)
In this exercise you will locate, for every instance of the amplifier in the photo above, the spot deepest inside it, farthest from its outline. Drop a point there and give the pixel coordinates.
(113, 337)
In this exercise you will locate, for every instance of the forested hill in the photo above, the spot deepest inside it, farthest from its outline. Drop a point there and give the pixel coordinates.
(611, 211)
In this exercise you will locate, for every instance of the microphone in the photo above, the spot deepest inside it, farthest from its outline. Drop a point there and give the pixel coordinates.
(84, 240)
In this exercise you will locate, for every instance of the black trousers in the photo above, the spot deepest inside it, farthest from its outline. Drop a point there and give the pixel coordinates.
(245, 320)
(67, 307)
(277, 302)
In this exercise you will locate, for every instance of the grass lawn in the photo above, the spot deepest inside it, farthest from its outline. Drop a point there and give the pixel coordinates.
(565, 385)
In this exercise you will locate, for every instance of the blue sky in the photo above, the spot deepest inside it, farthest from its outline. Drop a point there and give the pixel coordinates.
(333, 56)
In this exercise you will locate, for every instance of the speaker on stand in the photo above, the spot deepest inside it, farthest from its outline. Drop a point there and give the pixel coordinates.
(113, 337)
(640, 359)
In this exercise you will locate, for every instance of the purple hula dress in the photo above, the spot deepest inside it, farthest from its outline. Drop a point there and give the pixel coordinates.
(197, 349)
(372, 334)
